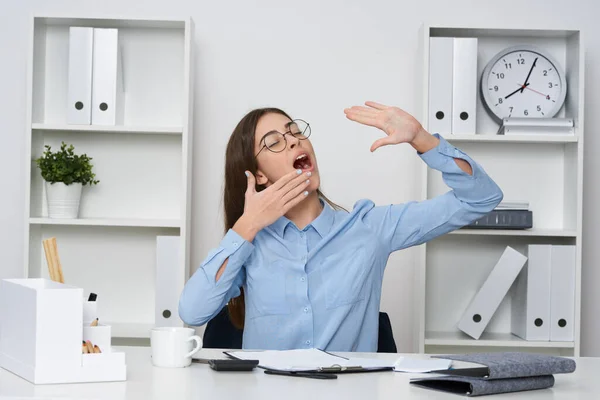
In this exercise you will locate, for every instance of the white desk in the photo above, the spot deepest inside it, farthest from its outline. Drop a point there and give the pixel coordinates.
(199, 382)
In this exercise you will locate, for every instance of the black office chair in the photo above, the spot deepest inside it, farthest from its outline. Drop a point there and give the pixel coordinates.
(221, 334)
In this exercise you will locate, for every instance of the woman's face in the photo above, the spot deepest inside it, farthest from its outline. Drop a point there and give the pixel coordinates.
(297, 154)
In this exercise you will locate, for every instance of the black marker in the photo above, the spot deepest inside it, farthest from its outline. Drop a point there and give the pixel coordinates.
(92, 297)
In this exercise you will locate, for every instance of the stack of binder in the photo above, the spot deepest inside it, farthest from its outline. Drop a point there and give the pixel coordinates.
(507, 215)
(543, 298)
(452, 85)
(95, 84)
(543, 304)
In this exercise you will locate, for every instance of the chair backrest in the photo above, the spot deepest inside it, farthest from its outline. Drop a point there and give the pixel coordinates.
(221, 334)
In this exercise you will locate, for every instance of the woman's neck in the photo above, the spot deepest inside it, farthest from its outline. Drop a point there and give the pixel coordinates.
(305, 212)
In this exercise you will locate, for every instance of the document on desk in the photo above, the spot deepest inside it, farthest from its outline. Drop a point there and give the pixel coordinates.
(415, 365)
(311, 360)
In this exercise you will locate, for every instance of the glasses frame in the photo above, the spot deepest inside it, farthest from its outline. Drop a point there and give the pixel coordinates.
(288, 132)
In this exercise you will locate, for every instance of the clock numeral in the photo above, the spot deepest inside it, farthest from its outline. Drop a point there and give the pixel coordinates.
(539, 108)
(548, 97)
(500, 75)
(495, 88)
(499, 100)
(526, 112)
(545, 73)
(550, 84)
(521, 61)
(508, 66)
(511, 108)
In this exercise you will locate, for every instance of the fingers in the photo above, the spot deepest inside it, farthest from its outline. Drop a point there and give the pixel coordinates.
(294, 192)
(299, 181)
(382, 142)
(284, 180)
(251, 188)
(295, 201)
(363, 119)
(360, 110)
(376, 105)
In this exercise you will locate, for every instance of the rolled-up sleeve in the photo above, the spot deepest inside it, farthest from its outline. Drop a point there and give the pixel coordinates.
(203, 296)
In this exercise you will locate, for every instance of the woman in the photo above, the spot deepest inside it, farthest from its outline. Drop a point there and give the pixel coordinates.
(295, 270)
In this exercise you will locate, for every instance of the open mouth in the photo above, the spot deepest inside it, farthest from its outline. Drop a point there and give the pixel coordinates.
(303, 162)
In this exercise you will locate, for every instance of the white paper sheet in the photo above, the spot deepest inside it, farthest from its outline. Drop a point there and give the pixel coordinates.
(415, 365)
(307, 360)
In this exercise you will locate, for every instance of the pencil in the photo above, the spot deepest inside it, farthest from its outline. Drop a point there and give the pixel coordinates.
(97, 349)
(90, 348)
(84, 348)
(94, 322)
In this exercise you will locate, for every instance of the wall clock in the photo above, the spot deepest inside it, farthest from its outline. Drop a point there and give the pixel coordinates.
(523, 81)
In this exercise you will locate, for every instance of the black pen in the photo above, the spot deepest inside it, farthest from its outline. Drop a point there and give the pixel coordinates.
(301, 374)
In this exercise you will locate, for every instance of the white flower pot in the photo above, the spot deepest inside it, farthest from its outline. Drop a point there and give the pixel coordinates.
(63, 200)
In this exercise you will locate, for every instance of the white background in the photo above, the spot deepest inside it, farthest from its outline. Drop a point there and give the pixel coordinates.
(311, 58)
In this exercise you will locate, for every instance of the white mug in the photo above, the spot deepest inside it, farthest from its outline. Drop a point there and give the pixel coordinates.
(172, 347)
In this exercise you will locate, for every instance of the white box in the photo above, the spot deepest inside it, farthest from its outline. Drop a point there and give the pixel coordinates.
(440, 85)
(485, 303)
(169, 282)
(79, 91)
(107, 78)
(562, 293)
(90, 311)
(41, 334)
(464, 86)
(530, 314)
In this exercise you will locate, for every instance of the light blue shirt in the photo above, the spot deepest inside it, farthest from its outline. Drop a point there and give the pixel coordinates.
(321, 286)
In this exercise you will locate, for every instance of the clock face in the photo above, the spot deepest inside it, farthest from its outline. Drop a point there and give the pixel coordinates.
(522, 82)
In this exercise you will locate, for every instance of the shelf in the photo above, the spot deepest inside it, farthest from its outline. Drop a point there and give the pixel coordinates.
(142, 223)
(488, 340)
(148, 130)
(134, 330)
(513, 138)
(516, 232)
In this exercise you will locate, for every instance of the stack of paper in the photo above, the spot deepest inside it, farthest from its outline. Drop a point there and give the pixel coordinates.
(513, 205)
(405, 364)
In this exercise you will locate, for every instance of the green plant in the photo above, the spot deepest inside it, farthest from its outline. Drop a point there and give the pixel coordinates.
(66, 166)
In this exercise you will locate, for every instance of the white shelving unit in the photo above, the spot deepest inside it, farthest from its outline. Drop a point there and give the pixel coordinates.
(545, 170)
(144, 166)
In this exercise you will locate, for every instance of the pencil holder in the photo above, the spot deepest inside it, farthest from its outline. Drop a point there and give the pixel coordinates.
(41, 331)
(98, 336)
(90, 311)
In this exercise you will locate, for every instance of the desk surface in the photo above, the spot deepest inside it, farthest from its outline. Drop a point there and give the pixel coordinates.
(199, 382)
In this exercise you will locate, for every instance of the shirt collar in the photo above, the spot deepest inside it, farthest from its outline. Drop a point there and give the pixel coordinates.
(322, 224)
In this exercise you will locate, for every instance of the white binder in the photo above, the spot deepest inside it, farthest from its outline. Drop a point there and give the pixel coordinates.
(169, 281)
(530, 314)
(464, 86)
(107, 85)
(562, 292)
(440, 85)
(485, 303)
(79, 90)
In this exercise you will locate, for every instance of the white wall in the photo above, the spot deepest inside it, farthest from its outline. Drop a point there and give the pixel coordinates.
(312, 58)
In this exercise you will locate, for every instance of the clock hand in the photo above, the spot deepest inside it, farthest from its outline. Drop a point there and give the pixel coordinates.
(519, 89)
(528, 75)
(533, 90)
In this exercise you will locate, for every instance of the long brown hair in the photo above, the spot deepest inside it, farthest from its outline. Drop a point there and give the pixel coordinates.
(239, 157)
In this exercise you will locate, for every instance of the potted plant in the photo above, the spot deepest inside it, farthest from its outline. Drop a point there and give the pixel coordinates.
(65, 173)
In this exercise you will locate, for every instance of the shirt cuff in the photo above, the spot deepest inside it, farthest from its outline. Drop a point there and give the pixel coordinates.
(442, 157)
(232, 246)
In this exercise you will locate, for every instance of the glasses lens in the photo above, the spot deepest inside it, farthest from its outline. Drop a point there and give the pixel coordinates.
(300, 129)
(275, 142)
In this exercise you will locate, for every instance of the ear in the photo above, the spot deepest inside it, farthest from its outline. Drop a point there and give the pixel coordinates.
(261, 179)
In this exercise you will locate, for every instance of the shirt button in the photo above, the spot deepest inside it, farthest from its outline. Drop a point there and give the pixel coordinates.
(308, 342)
(305, 309)
(235, 244)
(303, 279)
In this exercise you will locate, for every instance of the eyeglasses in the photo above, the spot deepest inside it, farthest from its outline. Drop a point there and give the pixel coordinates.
(276, 141)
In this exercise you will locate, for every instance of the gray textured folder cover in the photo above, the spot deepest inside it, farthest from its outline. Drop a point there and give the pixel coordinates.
(500, 372)
(512, 364)
(476, 386)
